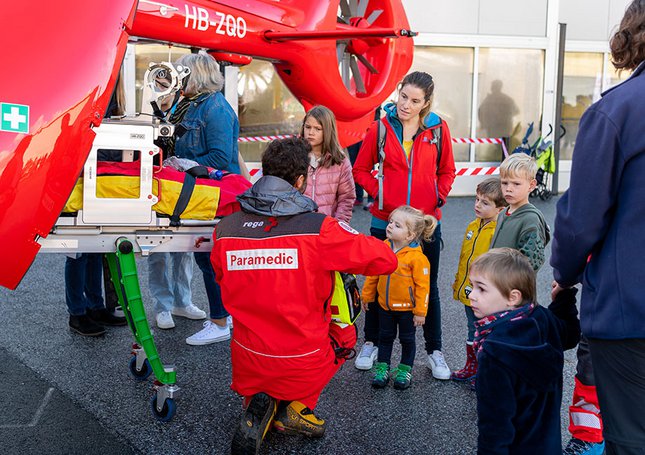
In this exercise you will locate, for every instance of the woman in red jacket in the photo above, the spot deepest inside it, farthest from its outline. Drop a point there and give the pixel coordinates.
(418, 170)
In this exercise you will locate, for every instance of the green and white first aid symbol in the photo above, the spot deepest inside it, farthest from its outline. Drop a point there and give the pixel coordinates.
(14, 118)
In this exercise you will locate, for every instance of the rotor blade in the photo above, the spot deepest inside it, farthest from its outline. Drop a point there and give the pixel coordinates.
(374, 15)
(358, 79)
(362, 7)
(344, 9)
(340, 49)
(342, 20)
(367, 64)
(344, 70)
(353, 7)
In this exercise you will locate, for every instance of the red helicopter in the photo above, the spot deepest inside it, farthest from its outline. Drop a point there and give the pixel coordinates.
(63, 59)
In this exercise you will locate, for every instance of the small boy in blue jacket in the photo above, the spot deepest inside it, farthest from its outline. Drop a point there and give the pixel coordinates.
(519, 347)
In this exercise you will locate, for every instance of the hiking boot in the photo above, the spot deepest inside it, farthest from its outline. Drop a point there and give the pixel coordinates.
(381, 375)
(579, 447)
(104, 317)
(367, 356)
(470, 369)
(254, 425)
(438, 365)
(211, 333)
(85, 326)
(165, 320)
(402, 377)
(190, 312)
(296, 418)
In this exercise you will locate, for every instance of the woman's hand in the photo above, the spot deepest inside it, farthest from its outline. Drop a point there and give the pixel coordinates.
(419, 320)
(365, 304)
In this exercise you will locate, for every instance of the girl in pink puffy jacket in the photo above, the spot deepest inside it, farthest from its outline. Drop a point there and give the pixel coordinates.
(329, 182)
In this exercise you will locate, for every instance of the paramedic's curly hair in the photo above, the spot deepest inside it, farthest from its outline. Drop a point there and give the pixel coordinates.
(287, 159)
(628, 43)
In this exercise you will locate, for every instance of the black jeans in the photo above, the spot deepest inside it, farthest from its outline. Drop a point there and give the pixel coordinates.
(389, 322)
(432, 327)
(619, 370)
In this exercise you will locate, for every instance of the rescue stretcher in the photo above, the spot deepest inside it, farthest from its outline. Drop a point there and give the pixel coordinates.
(122, 227)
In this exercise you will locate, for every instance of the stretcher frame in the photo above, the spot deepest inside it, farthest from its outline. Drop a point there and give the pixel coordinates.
(121, 228)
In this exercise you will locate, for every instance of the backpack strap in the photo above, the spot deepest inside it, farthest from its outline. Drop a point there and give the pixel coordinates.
(381, 157)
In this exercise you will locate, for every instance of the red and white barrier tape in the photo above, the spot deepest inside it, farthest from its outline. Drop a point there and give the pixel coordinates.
(256, 172)
(456, 140)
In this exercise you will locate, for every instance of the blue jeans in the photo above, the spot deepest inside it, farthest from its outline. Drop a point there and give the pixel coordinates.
(389, 322)
(470, 316)
(432, 327)
(83, 283)
(168, 288)
(213, 291)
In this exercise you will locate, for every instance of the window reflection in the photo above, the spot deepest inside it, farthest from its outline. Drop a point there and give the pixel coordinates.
(452, 71)
(581, 86)
(510, 89)
(266, 107)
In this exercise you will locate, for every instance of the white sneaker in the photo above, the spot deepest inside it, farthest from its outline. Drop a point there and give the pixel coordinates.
(229, 321)
(438, 365)
(211, 333)
(190, 312)
(365, 359)
(165, 321)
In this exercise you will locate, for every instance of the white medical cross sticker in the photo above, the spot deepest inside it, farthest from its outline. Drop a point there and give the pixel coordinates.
(14, 118)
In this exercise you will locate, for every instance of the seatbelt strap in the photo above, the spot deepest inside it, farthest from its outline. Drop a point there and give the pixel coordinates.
(187, 188)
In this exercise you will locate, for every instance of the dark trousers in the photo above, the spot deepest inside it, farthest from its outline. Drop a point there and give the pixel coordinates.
(389, 322)
(432, 327)
(213, 291)
(619, 371)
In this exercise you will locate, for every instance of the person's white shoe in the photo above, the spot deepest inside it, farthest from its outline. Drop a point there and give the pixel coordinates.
(190, 312)
(165, 321)
(365, 359)
(229, 321)
(211, 333)
(438, 365)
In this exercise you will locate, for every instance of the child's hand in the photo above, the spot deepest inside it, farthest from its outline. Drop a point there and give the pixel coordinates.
(555, 289)
(365, 304)
(419, 321)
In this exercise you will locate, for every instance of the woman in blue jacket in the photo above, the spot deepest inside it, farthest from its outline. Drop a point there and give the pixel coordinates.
(599, 228)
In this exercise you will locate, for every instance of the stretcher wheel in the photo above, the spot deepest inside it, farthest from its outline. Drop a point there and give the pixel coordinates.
(140, 375)
(167, 411)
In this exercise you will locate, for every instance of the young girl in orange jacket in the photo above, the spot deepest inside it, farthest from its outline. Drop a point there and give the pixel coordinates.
(403, 295)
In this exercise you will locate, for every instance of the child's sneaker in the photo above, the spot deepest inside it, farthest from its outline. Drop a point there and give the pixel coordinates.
(381, 375)
(367, 356)
(254, 425)
(189, 312)
(438, 365)
(579, 447)
(296, 418)
(402, 377)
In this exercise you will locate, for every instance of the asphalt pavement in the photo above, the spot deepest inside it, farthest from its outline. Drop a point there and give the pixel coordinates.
(66, 394)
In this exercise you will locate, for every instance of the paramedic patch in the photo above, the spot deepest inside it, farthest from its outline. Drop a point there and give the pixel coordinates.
(347, 227)
(262, 259)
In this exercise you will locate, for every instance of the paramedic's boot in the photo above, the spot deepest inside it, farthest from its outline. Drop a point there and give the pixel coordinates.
(296, 418)
(254, 425)
(470, 369)
(402, 377)
(381, 375)
(85, 326)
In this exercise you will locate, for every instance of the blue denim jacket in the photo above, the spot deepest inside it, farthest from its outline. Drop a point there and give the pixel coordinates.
(212, 130)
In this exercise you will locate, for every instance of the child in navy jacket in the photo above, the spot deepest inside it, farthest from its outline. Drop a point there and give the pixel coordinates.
(519, 347)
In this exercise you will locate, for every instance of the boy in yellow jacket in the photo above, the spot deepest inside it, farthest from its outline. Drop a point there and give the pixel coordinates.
(489, 201)
(403, 295)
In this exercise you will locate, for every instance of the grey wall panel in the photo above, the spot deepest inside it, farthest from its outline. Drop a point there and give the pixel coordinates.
(454, 16)
(585, 19)
(512, 17)
(616, 13)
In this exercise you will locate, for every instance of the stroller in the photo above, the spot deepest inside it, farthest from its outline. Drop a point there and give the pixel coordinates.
(542, 151)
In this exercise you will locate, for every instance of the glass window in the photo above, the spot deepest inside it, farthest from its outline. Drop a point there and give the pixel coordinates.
(510, 96)
(614, 76)
(452, 71)
(145, 54)
(266, 107)
(580, 87)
